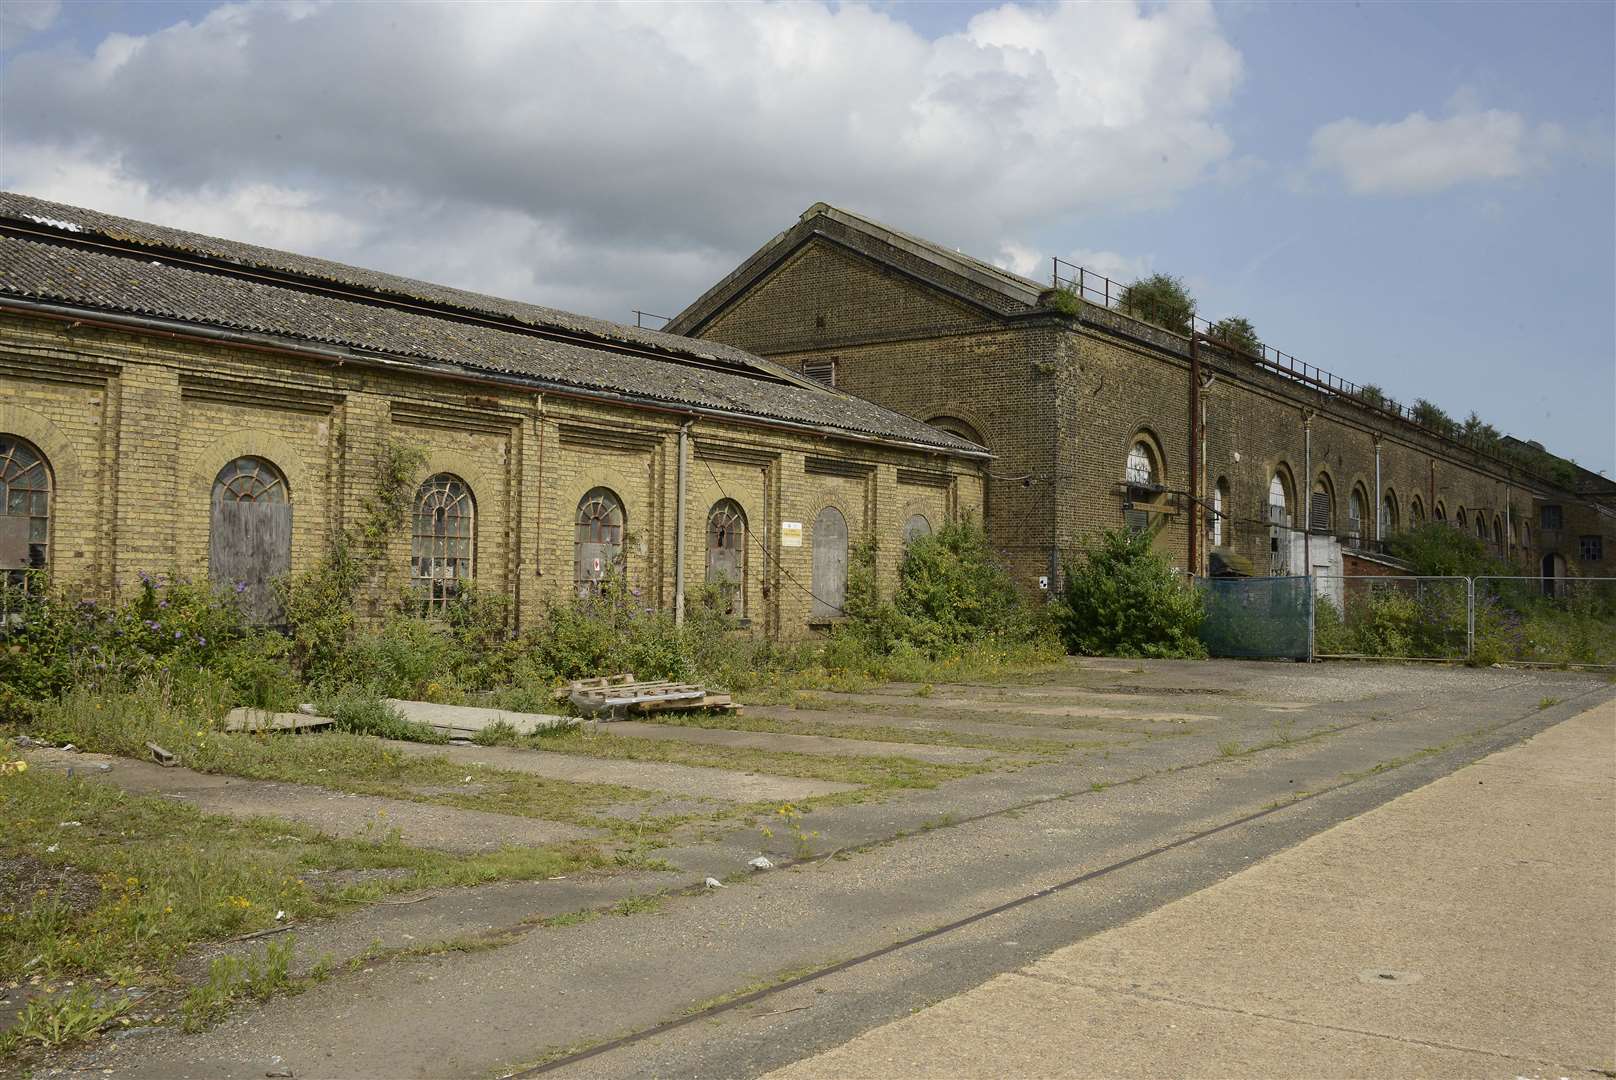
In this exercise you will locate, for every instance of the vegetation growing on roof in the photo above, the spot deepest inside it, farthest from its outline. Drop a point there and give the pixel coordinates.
(1238, 333)
(1161, 299)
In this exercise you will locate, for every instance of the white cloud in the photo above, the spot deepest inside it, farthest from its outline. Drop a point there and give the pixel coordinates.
(1418, 155)
(613, 156)
(22, 18)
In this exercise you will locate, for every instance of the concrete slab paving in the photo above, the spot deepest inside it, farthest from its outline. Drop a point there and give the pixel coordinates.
(1045, 733)
(1467, 927)
(688, 780)
(940, 704)
(467, 720)
(334, 812)
(798, 744)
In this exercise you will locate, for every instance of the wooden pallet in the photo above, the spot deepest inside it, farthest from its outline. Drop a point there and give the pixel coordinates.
(615, 696)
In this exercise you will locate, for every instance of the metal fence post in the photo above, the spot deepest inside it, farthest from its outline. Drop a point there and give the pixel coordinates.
(1312, 606)
(1469, 618)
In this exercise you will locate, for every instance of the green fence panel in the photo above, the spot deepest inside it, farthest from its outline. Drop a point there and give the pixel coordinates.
(1256, 617)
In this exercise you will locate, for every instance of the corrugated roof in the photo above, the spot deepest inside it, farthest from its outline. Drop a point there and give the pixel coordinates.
(604, 357)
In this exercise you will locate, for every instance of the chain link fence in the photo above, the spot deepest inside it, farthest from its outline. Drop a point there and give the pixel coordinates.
(1482, 620)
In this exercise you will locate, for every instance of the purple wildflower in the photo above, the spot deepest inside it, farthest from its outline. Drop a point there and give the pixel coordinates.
(241, 587)
(178, 634)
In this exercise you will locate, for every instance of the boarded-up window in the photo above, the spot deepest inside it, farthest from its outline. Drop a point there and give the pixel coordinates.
(24, 510)
(443, 546)
(916, 526)
(250, 535)
(830, 564)
(598, 546)
(726, 555)
(1321, 508)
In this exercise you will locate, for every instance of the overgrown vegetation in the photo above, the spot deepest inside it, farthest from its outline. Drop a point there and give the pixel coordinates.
(1514, 619)
(1238, 333)
(1122, 599)
(1161, 299)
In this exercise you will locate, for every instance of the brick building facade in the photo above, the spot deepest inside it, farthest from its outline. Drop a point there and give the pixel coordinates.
(178, 403)
(1088, 413)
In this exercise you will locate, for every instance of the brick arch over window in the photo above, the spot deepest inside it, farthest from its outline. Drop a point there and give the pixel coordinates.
(443, 541)
(1416, 512)
(247, 443)
(957, 425)
(25, 498)
(49, 440)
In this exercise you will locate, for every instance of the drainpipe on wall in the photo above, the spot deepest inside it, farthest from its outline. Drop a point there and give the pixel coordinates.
(1380, 506)
(1307, 494)
(679, 529)
(1194, 564)
(1206, 384)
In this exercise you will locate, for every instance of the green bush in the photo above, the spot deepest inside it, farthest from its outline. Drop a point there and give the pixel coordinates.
(1161, 299)
(1439, 550)
(1122, 599)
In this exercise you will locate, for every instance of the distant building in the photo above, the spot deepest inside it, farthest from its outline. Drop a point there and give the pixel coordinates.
(1094, 418)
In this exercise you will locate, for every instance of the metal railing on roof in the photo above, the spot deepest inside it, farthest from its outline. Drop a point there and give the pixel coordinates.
(641, 316)
(1096, 288)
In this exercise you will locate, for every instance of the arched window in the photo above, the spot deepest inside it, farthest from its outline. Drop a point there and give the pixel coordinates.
(25, 491)
(726, 555)
(1141, 474)
(1498, 531)
(443, 547)
(1219, 528)
(916, 526)
(1388, 515)
(1357, 511)
(1440, 514)
(829, 581)
(250, 479)
(1461, 520)
(250, 535)
(1416, 512)
(1481, 525)
(598, 543)
(1141, 467)
(1526, 534)
(1279, 521)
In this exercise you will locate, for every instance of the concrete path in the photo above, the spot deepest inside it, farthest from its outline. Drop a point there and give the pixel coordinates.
(798, 744)
(1111, 710)
(689, 780)
(333, 812)
(951, 724)
(1466, 928)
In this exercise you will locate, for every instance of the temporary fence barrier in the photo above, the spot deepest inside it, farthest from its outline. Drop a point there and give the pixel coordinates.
(1488, 619)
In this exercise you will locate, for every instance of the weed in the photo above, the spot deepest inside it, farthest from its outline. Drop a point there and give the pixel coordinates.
(50, 1022)
(638, 904)
(232, 979)
(1230, 748)
(1548, 703)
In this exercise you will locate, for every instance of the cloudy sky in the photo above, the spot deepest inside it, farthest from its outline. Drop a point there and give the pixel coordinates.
(1418, 196)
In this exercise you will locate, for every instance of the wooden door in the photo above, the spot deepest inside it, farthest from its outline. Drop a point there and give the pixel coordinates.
(830, 564)
(250, 545)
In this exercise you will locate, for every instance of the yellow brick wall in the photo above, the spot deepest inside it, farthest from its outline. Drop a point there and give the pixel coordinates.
(136, 428)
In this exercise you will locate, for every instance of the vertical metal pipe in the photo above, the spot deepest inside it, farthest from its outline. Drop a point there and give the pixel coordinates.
(1194, 564)
(1380, 505)
(679, 530)
(1307, 494)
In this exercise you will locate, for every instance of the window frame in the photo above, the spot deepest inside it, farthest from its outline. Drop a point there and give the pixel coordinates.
(430, 548)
